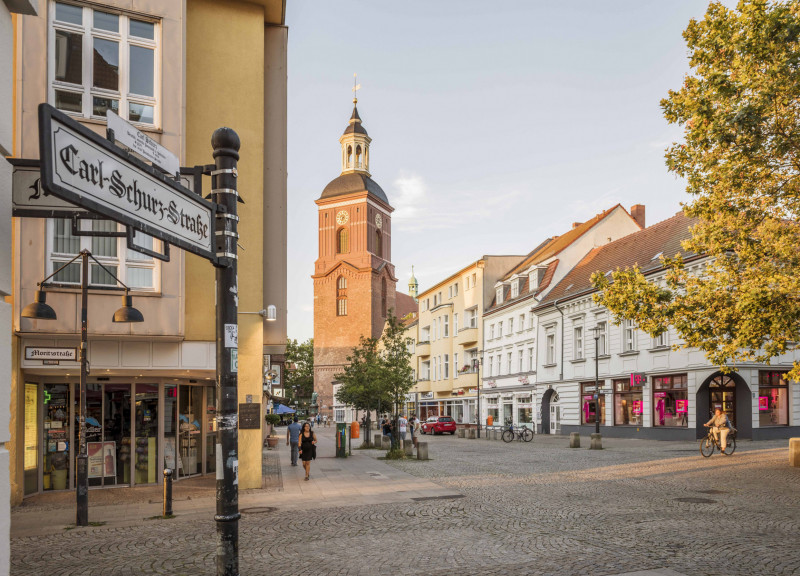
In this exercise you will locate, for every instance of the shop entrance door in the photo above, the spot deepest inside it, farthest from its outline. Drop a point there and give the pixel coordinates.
(722, 394)
(190, 415)
(108, 433)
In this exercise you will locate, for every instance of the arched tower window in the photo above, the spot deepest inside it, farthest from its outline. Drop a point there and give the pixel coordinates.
(342, 241)
(378, 243)
(349, 156)
(341, 296)
(358, 157)
(383, 296)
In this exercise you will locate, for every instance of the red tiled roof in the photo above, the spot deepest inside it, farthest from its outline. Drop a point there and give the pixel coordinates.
(404, 305)
(637, 249)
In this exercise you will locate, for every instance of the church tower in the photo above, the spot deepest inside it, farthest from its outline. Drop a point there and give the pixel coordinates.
(413, 286)
(354, 281)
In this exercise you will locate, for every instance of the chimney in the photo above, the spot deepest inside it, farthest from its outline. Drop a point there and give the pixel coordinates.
(576, 224)
(637, 213)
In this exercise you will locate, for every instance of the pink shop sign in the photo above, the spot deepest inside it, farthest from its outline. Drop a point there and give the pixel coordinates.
(681, 406)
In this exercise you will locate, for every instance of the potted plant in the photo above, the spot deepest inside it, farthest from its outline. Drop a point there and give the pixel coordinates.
(272, 439)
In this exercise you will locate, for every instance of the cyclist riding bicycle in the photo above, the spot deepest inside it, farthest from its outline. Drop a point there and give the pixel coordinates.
(720, 427)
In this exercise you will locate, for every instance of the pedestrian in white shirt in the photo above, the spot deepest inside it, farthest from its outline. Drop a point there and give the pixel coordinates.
(402, 423)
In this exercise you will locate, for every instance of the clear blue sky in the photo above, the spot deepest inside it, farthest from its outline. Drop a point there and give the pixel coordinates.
(494, 124)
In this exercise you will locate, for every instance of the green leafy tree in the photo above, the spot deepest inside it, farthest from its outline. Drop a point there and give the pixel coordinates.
(300, 379)
(360, 381)
(741, 160)
(396, 375)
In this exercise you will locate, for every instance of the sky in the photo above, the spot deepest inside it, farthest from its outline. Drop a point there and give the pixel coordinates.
(494, 125)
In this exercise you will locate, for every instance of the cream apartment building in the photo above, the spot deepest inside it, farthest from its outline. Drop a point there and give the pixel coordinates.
(449, 336)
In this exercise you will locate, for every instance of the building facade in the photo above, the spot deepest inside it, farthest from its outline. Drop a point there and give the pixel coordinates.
(151, 399)
(510, 342)
(639, 386)
(449, 335)
(354, 279)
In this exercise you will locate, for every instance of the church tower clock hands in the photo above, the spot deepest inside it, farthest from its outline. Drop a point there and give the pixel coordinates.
(354, 278)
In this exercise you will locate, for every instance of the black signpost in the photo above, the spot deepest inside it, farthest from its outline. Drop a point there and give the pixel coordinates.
(92, 174)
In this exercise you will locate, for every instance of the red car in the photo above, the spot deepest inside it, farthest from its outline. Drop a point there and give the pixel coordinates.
(439, 425)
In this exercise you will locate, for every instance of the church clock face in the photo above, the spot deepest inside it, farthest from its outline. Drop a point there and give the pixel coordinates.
(342, 217)
(378, 220)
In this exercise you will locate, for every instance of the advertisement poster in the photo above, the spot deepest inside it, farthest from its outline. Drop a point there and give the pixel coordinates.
(102, 459)
(637, 406)
(763, 402)
(681, 406)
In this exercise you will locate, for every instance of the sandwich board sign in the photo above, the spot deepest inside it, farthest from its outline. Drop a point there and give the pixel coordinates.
(88, 171)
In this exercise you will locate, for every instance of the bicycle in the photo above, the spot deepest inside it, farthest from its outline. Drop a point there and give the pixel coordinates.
(710, 443)
(522, 433)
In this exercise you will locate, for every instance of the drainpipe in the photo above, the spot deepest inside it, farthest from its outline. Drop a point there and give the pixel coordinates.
(561, 365)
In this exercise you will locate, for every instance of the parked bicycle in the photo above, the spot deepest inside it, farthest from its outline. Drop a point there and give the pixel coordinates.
(520, 433)
(711, 443)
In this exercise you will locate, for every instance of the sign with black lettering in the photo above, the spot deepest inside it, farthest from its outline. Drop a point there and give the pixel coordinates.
(86, 170)
(250, 416)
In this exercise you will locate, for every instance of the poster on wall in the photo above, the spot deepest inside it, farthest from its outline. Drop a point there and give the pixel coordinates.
(681, 406)
(637, 406)
(102, 459)
(763, 402)
(170, 457)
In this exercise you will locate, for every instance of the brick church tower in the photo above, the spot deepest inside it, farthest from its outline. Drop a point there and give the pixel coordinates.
(354, 281)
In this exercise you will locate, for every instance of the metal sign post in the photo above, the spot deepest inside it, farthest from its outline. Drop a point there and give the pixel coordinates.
(224, 188)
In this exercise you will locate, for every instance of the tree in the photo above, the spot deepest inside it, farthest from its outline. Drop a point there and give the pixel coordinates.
(300, 380)
(361, 382)
(740, 112)
(396, 376)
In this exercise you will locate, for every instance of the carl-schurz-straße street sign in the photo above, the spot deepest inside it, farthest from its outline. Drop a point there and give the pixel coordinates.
(85, 169)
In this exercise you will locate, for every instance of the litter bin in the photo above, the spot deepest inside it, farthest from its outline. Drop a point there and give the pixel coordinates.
(341, 440)
(355, 431)
(490, 420)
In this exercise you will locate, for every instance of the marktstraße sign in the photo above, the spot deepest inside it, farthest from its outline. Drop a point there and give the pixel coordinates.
(85, 169)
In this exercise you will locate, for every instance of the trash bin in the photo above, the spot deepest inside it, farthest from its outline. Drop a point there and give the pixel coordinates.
(355, 431)
(341, 440)
(490, 420)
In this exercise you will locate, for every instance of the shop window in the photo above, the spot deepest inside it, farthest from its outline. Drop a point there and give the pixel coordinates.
(103, 60)
(589, 406)
(57, 437)
(773, 399)
(147, 464)
(670, 401)
(137, 270)
(31, 439)
(524, 411)
(628, 403)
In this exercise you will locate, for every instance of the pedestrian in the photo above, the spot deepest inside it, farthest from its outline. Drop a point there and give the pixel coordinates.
(402, 423)
(413, 426)
(325, 420)
(308, 447)
(387, 428)
(293, 438)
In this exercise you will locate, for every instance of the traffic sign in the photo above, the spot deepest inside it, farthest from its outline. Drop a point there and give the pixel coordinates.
(86, 170)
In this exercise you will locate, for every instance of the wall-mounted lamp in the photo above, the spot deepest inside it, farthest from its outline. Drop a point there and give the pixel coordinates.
(270, 313)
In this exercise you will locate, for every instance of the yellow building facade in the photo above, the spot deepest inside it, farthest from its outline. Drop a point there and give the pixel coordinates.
(177, 70)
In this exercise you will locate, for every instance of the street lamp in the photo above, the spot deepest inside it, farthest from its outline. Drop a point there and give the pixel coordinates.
(40, 310)
(476, 365)
(596, 332)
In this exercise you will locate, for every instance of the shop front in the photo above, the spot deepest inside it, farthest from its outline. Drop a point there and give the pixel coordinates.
(134, 430)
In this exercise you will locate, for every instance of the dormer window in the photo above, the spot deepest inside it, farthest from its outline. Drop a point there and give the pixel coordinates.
(533, 280)
(499, 294)
(515, 288)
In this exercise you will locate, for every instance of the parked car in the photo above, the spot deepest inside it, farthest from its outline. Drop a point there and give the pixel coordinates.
(439, 425)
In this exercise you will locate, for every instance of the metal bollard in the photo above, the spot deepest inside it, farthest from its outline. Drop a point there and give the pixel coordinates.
(167, 492)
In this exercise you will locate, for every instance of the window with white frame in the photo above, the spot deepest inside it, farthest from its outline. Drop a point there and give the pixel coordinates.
(628, 335)
(509, 365)
(530, 320)
(471, 318)
(520, 360)
(450, 292)
(455, 323)
(577, 342)
(425, 334)
(136, 270)
(456, 367)
(510, 326)
(499, 329)
(425, 370)
(446, 327)
(446, 374)
(499, 295)
(514, 289)
(491, 331)
(661, 340)
(533, 280)
(455, 289)
(531, 363)
(602, 342)
(550, 348)
(521, 323)
(103, 59)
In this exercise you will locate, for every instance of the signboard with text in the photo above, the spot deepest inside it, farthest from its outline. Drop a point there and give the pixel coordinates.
(128, 135)
(50, 353)
(86, 170)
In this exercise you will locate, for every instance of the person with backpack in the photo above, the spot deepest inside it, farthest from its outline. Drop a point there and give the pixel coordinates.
(720, 427)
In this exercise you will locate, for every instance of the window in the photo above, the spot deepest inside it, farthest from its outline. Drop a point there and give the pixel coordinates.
(425, 334)
(530, 320)
(446, 366)
(499, 329)
(773, 399)
(602, 343)
(670, 401)
(342, 241)
(455, 289)
(471, 318)
(446, 332)
(491, 331)
(514, 288)
(433, 330)
(341, 296)
(509, 367)
(425, 370)
(577, 339)
(591, 407)
(474, 279)
(455, 365)
(455, 323)
(103, 61)
(383, 298)
(510, 326)
(628, 403)
(521, 323)
(137, 270)
(378, 244)
(520, 360)
(499, 295)
(530, 360)
(450, 292)
(628, 336)
(551, 348)
(533, 280)
(661, 340)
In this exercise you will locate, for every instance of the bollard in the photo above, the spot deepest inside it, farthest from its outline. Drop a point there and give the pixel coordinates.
(167, 510)
(461, 433)
(794, 452)
(422, 451)
(574, 440)
(471, 433)
(408, 448)
(596, 441)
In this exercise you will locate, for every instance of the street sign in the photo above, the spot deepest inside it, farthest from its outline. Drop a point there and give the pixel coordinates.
(86, 170)
(128, 135)
(50, 353)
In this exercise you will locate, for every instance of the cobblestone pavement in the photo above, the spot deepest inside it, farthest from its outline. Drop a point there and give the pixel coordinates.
(537, 508)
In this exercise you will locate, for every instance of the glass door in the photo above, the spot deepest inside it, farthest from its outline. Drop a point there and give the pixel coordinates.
(57, 437)
(190, 412)
(146, 429)
(115, 459)
(94, 431)
(722, 395)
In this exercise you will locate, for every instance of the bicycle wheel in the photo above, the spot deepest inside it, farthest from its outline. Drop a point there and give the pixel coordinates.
(707, 446)
(527, 435)
(730, 448)
(508, 436)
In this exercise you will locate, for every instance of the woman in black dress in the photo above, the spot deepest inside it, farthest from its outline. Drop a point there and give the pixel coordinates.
(308, 442)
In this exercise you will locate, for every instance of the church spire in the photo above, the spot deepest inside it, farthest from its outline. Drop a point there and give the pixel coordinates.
(413, 285)
(355, 140)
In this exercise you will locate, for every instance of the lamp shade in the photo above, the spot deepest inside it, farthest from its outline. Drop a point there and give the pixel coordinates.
(39, 310)
(272, 313)
(128, 313)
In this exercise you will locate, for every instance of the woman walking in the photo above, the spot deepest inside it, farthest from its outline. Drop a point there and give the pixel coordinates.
(308, 447)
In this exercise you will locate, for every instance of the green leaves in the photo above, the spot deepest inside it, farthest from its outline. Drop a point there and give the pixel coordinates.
(740, 111)
(300, 380)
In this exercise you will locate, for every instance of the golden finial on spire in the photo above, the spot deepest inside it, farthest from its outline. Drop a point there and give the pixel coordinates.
(356, 88)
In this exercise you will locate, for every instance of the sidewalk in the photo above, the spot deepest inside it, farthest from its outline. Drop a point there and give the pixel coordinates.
(335, 482)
